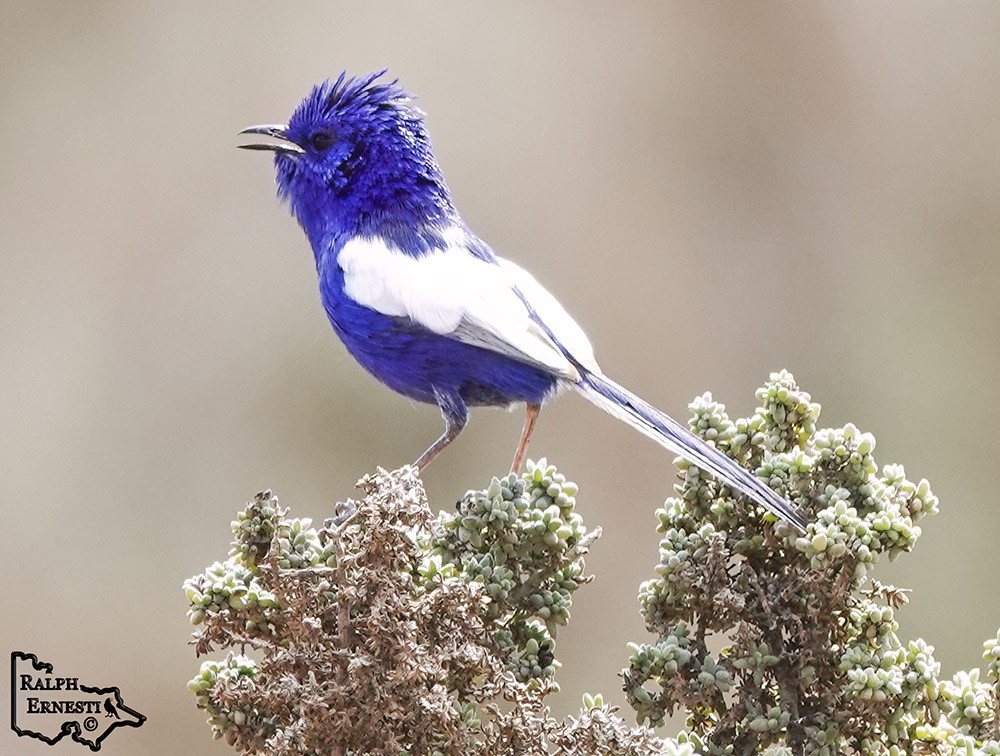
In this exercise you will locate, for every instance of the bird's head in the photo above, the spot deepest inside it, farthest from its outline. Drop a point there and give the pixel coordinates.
(355, 158)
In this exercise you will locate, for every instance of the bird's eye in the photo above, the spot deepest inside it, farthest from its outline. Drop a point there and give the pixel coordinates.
(321, 140)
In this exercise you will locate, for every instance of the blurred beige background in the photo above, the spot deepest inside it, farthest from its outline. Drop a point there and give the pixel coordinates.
(715, 190)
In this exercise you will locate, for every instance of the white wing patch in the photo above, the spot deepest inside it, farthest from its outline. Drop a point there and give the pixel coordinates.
(549, 310)
(455, 294)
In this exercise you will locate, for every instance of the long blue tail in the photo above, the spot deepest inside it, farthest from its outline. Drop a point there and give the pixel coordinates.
(667, 432)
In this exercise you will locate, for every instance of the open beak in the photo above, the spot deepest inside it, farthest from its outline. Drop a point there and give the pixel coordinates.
(279, 132)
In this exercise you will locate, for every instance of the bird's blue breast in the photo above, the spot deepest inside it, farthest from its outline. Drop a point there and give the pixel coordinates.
(419, 363)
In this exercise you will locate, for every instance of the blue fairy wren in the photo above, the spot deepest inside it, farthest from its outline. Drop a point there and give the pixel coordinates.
(421, 301)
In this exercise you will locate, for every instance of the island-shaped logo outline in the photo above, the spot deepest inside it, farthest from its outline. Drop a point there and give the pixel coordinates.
(90, 731)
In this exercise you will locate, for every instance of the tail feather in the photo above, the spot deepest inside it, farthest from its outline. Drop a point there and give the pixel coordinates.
(667, 432)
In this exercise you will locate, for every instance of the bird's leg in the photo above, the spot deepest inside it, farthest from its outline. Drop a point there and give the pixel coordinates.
(531, 416)
(455, 415)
